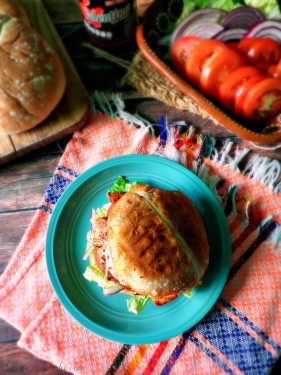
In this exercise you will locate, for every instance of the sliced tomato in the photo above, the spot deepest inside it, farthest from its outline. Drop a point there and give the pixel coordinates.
(228, 88)
(275, 70)
(242, 92)
(216, 69)
(263, 100)
(232, 45)
(271, 71)
(245, 45)
(181, 50)
(199, 55)
(98, 261)
(260, 52)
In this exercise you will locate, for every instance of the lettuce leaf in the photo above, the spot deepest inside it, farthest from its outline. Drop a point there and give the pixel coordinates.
(270, 8)
(188, 294)
(122, 185)
(101, 212)
(192, 5)
(93, 273)
(226, 5)
(137, 303)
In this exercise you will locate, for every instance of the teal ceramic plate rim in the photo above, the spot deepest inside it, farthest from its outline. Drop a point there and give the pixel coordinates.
(66, 240)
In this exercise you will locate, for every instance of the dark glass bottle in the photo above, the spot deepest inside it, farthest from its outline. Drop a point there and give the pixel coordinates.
(109, 23)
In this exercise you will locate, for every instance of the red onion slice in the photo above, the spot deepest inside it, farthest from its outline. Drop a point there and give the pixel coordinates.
(265, 29)
(92, 218)
(232, 35)
(242, 17)
(198, 17)
(206, 31)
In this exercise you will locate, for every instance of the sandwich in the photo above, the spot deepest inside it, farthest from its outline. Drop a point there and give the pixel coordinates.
(147, 242)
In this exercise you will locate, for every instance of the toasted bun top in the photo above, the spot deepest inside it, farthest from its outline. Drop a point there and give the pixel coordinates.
(157, 240)
(32, 79)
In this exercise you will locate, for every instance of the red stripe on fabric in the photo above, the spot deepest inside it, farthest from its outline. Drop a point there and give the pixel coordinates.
(155, 358)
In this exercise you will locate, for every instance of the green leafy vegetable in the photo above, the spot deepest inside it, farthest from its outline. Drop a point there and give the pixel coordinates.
(226, 5)
(188, 294)
(122, 185)
(191, 5)
(188, 7)
(101, 212)
(93, 273)
(270, 8)
(137, 303)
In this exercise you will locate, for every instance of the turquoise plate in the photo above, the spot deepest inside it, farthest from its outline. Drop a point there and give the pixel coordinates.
(66, 242)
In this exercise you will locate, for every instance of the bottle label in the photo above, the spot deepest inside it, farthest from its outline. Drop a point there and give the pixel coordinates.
(109, 21)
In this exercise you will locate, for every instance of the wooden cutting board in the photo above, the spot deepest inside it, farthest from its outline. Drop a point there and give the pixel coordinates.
(73, 110)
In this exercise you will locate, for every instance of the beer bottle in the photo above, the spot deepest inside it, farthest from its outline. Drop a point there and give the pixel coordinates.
(109, 23)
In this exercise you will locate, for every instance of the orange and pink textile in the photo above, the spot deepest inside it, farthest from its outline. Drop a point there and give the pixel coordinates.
(242, 332)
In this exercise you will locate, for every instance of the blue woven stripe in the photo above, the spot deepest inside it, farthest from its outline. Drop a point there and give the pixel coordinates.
(45, 209)
(235, 343)
(56, 187)
(176, 353)
(163, 130)
(250, 324)
(204, 349)
(67, 170)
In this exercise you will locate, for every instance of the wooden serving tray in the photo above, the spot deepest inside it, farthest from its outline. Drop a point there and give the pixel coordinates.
(74, 108)
(149, 33)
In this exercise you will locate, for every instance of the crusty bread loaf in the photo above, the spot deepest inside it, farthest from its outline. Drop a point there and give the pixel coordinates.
(32, 78)
(158, 242)
(13, 8)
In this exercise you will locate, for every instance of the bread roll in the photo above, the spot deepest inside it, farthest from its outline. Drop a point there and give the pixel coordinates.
(14, 9)
(158, 242)
(32, 78)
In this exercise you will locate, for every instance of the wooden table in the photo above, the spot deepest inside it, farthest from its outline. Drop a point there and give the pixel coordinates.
(32, 172)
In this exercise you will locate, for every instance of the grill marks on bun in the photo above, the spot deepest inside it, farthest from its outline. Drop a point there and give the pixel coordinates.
(158, 242)
(169, 224)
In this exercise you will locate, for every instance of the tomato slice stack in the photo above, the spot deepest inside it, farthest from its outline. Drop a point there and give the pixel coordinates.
(260, 52)
(244, 77)
(217, 69)
(232, 84)
(201, 53)
(181, 50)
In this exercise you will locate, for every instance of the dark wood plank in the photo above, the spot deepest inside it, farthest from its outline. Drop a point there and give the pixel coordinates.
(22, 184)
(8, 333)
(12, 234)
